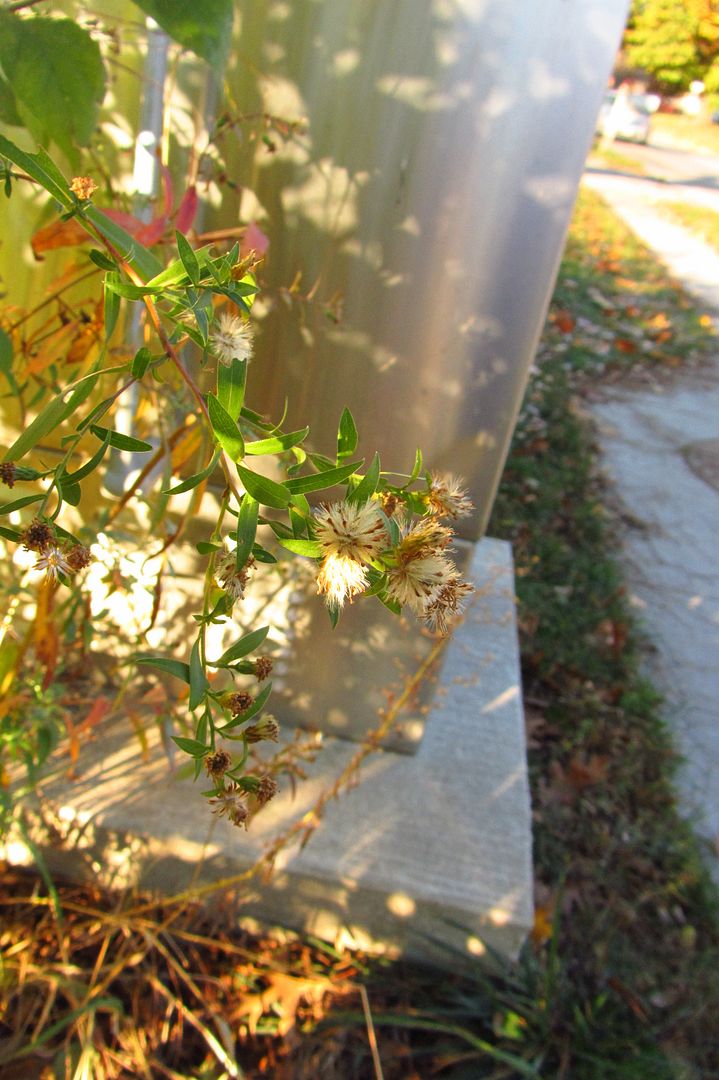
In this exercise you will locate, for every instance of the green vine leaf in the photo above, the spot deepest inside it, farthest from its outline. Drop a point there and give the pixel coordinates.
(204, 28)
(57, 77)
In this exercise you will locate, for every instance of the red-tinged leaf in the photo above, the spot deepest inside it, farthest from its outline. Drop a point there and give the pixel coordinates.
(563, 321)
(150, 233)
(186, 210)
(59, 234)
(625, 345)
(99, 709)
(254, 240)
(70, 233)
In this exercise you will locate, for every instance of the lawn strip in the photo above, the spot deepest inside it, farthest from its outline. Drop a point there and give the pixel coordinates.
(701, 220)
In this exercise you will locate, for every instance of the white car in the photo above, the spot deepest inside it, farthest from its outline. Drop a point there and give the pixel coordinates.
(625, 116)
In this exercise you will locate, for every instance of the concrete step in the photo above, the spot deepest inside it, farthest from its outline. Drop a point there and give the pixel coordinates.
(427, 855)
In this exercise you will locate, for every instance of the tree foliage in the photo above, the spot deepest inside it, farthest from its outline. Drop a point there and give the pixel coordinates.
(675, 41)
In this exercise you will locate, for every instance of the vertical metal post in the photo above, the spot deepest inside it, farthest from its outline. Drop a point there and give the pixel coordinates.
(146, 171)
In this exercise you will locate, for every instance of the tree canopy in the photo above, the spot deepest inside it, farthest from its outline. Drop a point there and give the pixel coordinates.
(675, 42)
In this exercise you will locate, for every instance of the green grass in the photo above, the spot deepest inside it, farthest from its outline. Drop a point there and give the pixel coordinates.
(621, 978)
(612, 157)
(689, 131)
(701, 220)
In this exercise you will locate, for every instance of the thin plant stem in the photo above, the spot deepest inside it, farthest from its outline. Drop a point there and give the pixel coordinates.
(371, 1036)
(310, 820)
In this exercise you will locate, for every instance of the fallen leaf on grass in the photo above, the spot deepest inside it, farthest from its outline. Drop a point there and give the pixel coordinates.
(283, 994)
(564, 321)
(566, 782)
(625, 345)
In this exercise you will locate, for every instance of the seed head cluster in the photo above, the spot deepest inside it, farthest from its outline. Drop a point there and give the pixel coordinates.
(351, 535)
(55, 557)
(230, 577)
(446, 496)
(417, 571)
(232, 339)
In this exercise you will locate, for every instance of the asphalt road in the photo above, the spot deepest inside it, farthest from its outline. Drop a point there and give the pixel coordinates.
(672, 163)
(669, 172)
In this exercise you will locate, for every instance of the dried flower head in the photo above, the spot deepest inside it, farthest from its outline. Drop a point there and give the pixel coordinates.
(217, 764)
(446, 604)
(446, 497)
(230, 577)
(8, 471)
(389, 502)
(422, 538)
(265, 730)
(53, 561)
(231, 804)
(238, 702)
(232, 339)
(38, 535)
(78, 557)
(83, 186)
(341, 578)
(416, 582)
(351, 531)
(263, 667)
(266, 790)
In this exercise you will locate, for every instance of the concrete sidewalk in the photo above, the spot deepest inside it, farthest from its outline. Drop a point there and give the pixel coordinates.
(660, 446)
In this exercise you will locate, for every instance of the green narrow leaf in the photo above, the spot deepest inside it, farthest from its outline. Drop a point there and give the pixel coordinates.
(17, 504)
(198, 679)
(175, 273)
(188, 257)
(120, 441)
(193, 747)
(416, 469)
(131, 250)
(368, 485)
(111, 302)
(334, 611)
(278, 443)
(267, 492)
(10, 534)
(101, 259)
(140, 362)
(205, 548)
(178, 668)
(225, 429)
(322, 463)
(41, 168)
(193, 481)
(246, 528)
(311, 549)
(231, 380)
(322, 480)
(243, 647)
(46, 420)
(6, 361)
(261, 554)
(70, 493)
(257, 706)
(5, 352)
(347, 436)
(127, 290)
(88, 467)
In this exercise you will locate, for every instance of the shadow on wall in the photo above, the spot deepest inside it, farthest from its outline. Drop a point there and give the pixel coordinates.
(430, 192)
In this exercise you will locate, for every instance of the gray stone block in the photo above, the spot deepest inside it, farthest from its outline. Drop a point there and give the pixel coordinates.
(428, 855)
